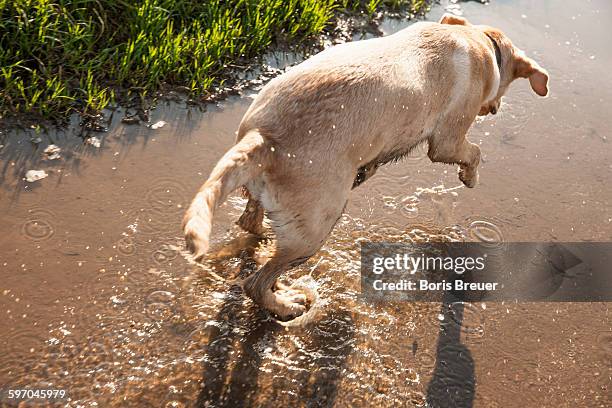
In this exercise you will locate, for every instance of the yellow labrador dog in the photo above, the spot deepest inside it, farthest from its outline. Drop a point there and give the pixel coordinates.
(324, 127)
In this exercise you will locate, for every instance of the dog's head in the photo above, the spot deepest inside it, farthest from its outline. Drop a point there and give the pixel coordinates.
(514, 64)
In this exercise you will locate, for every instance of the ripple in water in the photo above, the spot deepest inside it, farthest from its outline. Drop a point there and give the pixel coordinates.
(472, 321)
(165, 254)
(39, 226)
(167, 196)
(159, 311)
(409, 207)
(486, 232)
(160, 296)
(426, 360)
(163, 208)
(145, 221)
(390, 204)
(126, 246)
(159, 305)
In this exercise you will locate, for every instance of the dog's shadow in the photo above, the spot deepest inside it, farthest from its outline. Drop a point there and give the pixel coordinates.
(243, 334)
(453, 384)
(237, 344)
(232, 362)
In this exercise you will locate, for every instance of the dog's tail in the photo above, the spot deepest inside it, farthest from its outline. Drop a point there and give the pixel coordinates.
(242, 163)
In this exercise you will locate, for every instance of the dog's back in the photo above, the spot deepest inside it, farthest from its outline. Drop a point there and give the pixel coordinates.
(367, 98)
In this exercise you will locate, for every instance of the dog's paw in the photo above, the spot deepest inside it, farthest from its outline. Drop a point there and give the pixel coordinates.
(286, 304)
(468, 177)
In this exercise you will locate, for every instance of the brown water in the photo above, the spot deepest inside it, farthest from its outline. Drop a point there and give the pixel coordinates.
(97, 297)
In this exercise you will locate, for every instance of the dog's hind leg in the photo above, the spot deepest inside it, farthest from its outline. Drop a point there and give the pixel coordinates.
(259, 286)
(301, 226)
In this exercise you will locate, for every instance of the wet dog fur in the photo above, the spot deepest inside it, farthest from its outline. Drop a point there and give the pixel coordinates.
(326, 125)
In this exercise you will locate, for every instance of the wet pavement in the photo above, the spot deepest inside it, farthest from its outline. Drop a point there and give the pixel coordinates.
(98, 298)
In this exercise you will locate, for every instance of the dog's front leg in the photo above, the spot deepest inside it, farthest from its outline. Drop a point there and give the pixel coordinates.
(469, 174)
(463, 153)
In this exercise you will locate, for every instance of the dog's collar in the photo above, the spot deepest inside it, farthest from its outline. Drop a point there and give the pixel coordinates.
(497, 52)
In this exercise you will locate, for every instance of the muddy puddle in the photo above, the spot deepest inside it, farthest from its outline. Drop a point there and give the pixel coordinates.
(98, 298)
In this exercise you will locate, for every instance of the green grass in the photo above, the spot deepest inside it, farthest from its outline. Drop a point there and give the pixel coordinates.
(64, 56)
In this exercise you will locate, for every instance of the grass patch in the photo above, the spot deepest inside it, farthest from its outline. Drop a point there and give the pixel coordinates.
(64, 56)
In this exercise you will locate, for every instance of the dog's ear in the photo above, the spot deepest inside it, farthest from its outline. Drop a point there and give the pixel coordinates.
(527, 68)
(452, 19)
